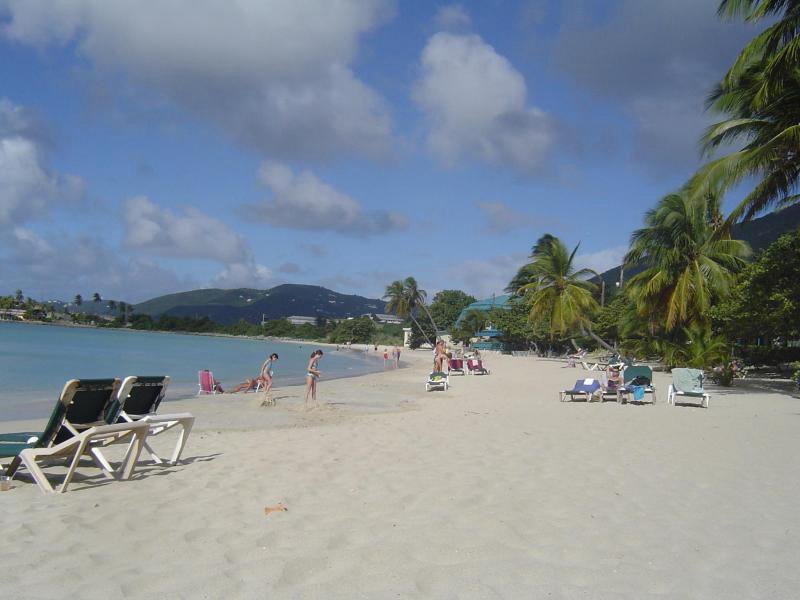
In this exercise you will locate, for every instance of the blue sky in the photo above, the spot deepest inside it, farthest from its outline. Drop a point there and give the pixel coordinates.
(147, 149)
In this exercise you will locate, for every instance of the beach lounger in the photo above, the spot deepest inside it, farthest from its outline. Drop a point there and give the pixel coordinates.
(638, 381)
(585, 388)
(205, 382)
(688, 383)
(145, 397)
(456, 366)
(475, 367)
(60, 439)
(437, 381)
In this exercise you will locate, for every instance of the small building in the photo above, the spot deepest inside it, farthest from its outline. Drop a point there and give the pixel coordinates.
(296, 320)
(387, 319)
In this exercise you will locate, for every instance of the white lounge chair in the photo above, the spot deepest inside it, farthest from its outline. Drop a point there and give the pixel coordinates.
(141, 405)
(688, 383)
(437, 381)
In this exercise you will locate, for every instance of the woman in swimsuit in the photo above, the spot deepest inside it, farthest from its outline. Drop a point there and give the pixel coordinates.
(268, 372)
(312, 376)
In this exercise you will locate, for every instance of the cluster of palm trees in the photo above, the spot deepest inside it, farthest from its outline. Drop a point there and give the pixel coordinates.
(686, 257)
(405, 298)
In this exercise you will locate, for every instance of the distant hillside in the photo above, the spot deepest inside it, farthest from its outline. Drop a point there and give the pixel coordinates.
(228, 306)
(759, 233)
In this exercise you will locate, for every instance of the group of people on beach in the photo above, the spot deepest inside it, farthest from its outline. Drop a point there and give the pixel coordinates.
(395, 358)
(263, 381)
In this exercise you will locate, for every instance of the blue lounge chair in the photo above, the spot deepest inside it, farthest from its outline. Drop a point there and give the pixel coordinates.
(585, 388)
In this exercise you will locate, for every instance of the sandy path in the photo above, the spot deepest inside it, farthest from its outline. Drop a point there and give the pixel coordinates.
(490, 490)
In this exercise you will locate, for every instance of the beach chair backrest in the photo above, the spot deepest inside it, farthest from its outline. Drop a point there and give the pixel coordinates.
(688, 380)
(56, 419)
(146, 394)
(117, 403)
(206, 381)
(89, 402)
(630, 374)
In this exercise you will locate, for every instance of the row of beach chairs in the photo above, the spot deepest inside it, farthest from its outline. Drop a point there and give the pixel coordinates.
(637, 382)
(89, 416)
(441, 380)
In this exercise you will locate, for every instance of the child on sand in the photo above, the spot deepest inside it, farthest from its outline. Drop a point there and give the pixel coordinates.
(312, 377)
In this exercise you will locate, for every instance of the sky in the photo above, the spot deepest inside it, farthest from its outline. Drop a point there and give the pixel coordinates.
(149, 148)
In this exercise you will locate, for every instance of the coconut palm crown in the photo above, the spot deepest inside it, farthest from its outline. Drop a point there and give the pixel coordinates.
(556, 291)
(689, 260)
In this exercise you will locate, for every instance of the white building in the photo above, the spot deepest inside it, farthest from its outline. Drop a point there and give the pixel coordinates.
(302, 320)
(388, 319)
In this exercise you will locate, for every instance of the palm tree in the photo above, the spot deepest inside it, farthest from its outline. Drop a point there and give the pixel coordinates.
(123, 308)
(112, 305)
(688, 262)
(78, 300)
(18, 296)
(557, 292)
(397, 301)
(760, 96)
(96, 298)
(416, 297)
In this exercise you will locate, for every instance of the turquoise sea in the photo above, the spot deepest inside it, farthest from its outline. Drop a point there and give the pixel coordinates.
(36, 360)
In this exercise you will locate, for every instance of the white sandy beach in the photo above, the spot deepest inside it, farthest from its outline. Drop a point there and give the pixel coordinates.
(492, 489)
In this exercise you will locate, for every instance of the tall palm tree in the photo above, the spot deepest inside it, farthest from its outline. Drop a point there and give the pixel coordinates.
(397, 301)
(123, 308)
(18, 296)
(688, 262)
(78, 300)
(96, 298)
(416, 298)
(760, 94)
(112, 305)
(557, 291)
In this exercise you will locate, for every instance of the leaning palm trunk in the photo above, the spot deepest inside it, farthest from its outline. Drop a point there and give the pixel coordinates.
(421, 330)
(597, 338)
(430, 318)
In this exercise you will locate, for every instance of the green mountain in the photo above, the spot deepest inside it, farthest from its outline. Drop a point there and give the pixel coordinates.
(228, 306)
(759, 233)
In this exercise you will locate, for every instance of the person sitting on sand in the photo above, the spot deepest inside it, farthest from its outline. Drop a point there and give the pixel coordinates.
(246, 386)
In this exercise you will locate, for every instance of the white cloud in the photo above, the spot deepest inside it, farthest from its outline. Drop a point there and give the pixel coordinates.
(275, 75)
(483, 277)
(452, 16)
(302, 201)
(28, 188)
(156, 230)
(475, 101)
(602, 260)
(62, 265)
(498, 217)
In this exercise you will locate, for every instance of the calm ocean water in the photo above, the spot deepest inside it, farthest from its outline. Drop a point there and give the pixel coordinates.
(36, 360)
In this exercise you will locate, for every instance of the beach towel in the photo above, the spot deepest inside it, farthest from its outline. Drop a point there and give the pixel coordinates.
(638, 392)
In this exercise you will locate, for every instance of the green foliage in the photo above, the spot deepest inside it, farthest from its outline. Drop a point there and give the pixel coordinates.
(421, 333)
(518, 332)
(690, 262)
(698, 348)
(447, 305)
(473, 322)
(759, 96)
(359, 330)
(766, 302)
(557, 292)
(609, 319)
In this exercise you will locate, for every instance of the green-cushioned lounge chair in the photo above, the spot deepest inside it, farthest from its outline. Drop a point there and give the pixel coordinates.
(637, 375)
(85, 400)
(437, 380)
(688, 383)
(145, 397)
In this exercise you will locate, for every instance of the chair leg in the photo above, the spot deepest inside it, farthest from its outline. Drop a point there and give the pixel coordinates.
(13, 466)
(103, 463)
(36, 472)
(186, 428)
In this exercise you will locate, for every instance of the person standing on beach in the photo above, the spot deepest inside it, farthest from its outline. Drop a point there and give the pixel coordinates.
(396, 357)
(312, 377)
(267, 374)
(385, 358)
